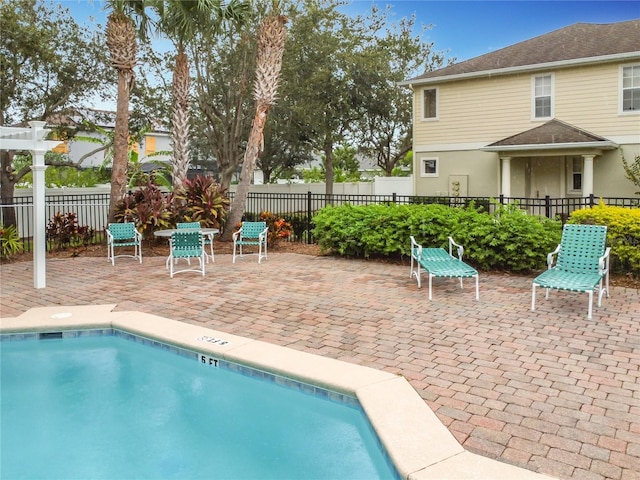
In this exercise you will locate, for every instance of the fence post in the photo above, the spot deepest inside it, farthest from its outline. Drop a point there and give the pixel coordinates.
(592, 200)
(502, 199)
(309, 217)
(547, 206)
(394, 197)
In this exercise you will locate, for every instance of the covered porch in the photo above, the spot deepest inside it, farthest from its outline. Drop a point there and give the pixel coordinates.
(555, 159)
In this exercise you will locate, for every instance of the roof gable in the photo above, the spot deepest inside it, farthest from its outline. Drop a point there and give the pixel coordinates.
(577, 41)
(552, 132)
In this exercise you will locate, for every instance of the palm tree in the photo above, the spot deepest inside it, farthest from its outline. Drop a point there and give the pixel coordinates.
(271, 39)
(180, 20)
(123, 49)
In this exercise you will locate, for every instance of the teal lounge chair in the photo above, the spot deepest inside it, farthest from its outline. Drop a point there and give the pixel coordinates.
(581, 265)
(437, 262)
(251, 234)
(123, 235)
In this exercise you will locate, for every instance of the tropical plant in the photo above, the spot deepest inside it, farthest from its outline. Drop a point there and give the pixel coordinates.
(271, 39)
(201, 199)
(63, 231)
(148, 207)
(10, 242)
(279, 228)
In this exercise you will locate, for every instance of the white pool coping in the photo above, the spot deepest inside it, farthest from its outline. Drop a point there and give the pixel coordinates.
(419, 445)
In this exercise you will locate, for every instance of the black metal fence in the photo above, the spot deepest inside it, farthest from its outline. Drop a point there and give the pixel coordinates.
(299, 208)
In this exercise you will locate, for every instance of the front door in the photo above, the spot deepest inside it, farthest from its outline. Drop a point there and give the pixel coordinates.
(545, 177)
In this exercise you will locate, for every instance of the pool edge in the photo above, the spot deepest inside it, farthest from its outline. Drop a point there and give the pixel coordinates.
(420, 446)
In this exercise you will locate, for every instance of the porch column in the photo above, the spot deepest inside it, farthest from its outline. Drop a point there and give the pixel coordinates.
(587, 175)
(506, 176)
(39, 216)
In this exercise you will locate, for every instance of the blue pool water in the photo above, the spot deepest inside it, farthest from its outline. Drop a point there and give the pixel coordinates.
(105, 407)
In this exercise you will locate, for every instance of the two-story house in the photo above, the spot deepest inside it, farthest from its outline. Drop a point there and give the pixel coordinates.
(548, 116)
(155, 146)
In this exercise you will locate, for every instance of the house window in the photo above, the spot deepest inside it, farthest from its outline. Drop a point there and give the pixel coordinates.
(150, 145)
(575, 174)
(429, 167)
(631, 89)
(430, 103)
(542, 96)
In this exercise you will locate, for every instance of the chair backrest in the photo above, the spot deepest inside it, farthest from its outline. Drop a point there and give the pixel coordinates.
(253, 229)
(188, 225)
(186, 244)
(581, 247)
(122, 231)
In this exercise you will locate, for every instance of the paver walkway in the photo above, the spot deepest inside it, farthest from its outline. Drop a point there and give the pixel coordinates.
(547, 390)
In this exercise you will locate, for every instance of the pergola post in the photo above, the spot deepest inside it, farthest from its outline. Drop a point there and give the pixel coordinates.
(39, 211)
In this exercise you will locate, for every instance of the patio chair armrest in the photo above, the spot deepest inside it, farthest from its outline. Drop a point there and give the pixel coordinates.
(109, 236)
(138, 235)
(459, 247)
(603, 262)
(263, 234)
(550, 257)
(237, 234)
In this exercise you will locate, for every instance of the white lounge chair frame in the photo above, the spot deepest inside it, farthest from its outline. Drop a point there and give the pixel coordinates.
(436, 262)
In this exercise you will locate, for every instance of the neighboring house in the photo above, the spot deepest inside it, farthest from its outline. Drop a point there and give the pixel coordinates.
(548, 116)
(157, 140)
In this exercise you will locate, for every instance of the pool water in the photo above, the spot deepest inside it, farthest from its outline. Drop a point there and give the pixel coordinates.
(105, 407)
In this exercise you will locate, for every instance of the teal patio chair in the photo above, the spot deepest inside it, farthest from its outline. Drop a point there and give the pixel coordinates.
(123, 235)
(251, 234)
(187, 244)
(208, 239)
(582, 264)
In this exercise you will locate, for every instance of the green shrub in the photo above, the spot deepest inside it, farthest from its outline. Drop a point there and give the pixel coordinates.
(623, 233)
(507, 239)
(10, 242)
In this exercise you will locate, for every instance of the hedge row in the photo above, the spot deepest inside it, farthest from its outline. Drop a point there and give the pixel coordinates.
(623, 233)
(509, 239)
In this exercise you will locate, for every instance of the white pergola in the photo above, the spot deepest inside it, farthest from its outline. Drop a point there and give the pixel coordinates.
(33, 140)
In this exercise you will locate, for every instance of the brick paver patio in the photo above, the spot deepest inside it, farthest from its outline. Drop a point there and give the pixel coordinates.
(547, 390)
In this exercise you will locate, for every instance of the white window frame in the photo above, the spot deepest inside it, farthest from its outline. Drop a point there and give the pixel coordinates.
(551, 96)
(636, 68)
(423, 172)
(572, 170)
(424, 117)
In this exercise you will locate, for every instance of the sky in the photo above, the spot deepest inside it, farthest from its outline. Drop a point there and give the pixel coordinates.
(472, 28)
(465, 28)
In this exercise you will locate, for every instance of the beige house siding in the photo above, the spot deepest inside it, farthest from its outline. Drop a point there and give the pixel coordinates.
(489, 109)
(479, 168)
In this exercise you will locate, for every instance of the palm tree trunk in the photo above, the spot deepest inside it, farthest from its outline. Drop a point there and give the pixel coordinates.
(271, 38)
(120, 142)
(251, 154)
(180, 119)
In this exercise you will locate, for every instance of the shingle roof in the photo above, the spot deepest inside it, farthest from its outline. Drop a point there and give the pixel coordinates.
(577, 41)
(553, 132)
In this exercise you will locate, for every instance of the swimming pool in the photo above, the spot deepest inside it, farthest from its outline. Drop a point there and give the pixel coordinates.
(107, 404)
(419, 445)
